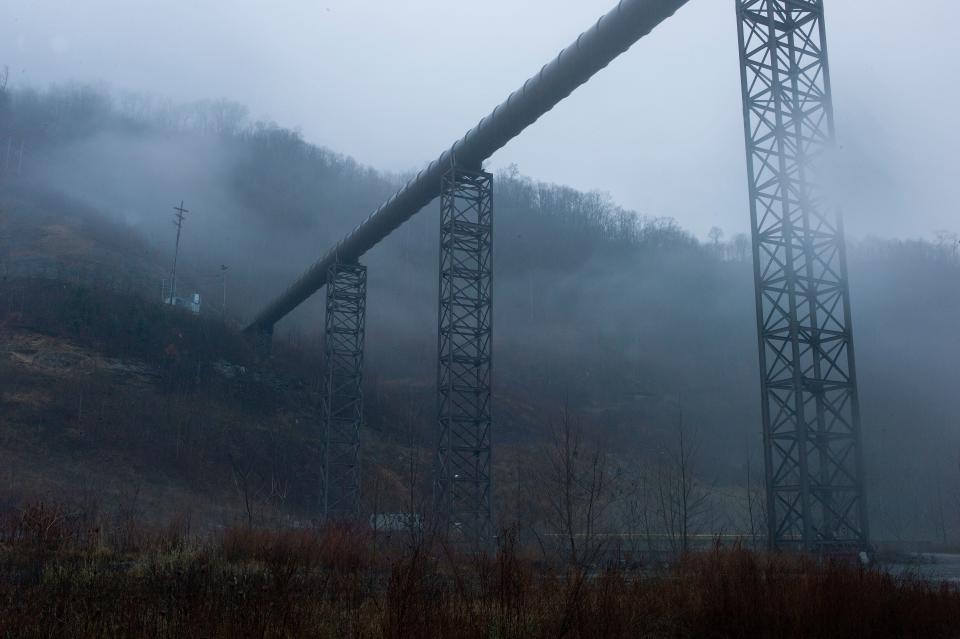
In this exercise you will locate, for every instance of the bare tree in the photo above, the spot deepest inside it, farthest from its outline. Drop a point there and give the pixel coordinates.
(414, 501)
(938, 484)
(756, 505)
(637, 510)
(715, 234)
(576, 487)
(956, 495)
(279, 488)
(947, 243)
(741, 247)
(246, 481)
(580, 489)
(681, 499)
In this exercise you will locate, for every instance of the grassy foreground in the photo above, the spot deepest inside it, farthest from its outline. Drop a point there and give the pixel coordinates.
(61, 577)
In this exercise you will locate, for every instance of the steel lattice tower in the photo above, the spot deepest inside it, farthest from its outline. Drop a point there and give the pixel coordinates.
(811, 417)
(342, 400)
(464, 347)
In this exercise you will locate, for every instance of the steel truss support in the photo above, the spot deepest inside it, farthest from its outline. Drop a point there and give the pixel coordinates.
(464, 371)
(811, 416)
(342, 400)
(263, 342)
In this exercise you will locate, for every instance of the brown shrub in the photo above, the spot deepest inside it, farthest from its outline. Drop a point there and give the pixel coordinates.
(322, 582)
(338, 548)
(47, 526)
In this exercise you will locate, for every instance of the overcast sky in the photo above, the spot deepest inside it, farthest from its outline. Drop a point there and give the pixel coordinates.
(394, 82)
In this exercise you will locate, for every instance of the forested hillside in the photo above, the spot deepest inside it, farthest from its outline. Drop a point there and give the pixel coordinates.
(623, 318)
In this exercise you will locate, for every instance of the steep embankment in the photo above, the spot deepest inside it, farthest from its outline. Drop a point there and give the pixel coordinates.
(107, 396)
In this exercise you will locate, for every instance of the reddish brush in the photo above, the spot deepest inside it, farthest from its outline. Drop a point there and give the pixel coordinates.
(323, 582)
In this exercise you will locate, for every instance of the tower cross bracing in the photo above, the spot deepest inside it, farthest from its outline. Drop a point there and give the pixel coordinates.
(342, 396)
(810, 407)
(465, 327)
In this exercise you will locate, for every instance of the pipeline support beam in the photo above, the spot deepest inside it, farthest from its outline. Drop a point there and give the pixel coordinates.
(810, 404)
(342, 396)
(465, 330)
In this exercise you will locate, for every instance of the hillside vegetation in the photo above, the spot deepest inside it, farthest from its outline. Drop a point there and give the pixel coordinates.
(601, 313)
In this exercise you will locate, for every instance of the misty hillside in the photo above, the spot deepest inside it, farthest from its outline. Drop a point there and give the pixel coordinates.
(618, 315)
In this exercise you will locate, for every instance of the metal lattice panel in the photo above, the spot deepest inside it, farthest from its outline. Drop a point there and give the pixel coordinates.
(811, 419)
(342, 401)
(463, 378)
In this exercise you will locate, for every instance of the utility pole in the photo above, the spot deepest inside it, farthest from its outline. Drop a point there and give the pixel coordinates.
(178, 217)
(223, 281)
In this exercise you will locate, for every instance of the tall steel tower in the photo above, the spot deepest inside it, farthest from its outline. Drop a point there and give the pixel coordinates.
(811, 414)
(342, 397)
(465, 326)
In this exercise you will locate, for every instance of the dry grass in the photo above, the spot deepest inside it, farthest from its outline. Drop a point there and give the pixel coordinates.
(63, 575)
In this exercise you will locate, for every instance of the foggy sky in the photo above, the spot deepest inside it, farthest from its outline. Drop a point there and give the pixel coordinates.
(394, 83)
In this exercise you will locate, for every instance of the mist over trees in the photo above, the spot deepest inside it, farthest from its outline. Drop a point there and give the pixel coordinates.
(610, 312)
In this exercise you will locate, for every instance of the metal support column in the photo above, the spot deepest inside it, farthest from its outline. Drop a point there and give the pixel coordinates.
(342, 401)
(811, 415)
(262, 342)
(464, 347)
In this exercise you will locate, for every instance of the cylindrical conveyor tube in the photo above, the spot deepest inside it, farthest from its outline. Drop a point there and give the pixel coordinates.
(613, 34)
